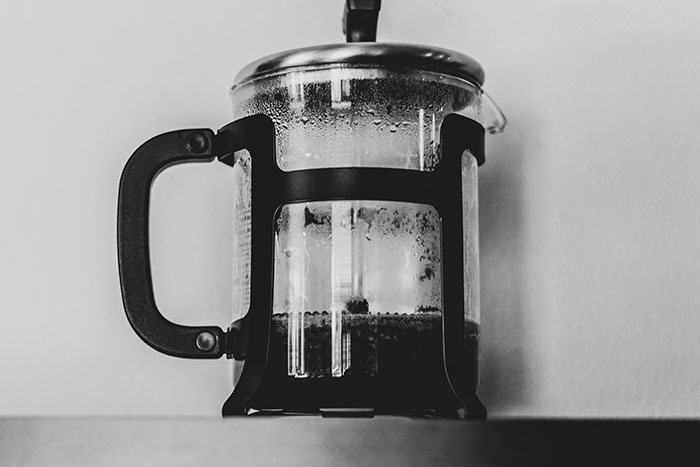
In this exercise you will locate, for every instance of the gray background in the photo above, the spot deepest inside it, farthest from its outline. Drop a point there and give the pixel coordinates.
(589, 201)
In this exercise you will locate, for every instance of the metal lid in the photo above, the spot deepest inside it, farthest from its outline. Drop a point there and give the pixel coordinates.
(415, 57)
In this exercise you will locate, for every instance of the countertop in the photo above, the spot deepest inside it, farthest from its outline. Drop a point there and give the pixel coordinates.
(305, 440)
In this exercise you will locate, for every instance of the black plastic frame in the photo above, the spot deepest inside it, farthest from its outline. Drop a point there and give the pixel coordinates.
(441, 188)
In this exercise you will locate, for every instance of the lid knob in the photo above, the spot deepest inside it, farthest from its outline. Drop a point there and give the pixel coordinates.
(360, 20)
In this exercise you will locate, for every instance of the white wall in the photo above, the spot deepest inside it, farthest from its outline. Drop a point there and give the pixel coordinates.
(590, 230)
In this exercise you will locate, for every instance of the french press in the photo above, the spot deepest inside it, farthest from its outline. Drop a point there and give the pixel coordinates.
(356, 264)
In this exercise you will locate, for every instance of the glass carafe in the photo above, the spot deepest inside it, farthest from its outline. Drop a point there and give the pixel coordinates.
(358, 283)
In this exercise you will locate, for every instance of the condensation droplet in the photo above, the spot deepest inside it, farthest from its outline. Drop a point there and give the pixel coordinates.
(304, 119)
(393, 128)
(377, 122)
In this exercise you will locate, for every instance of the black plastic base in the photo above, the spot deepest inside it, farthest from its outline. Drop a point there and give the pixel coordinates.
(357, 397)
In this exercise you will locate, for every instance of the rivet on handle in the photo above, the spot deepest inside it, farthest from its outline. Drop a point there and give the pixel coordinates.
(206, 341)
(197, 143)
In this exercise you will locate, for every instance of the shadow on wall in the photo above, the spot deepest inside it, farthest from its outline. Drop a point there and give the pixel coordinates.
(505, 361)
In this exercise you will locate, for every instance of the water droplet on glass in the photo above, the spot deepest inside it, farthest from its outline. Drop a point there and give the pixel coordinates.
(370, 111)
(377, 122)
(304, 119)
(393, 128)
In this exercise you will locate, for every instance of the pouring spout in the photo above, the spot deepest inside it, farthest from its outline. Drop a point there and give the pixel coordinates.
(493, 119)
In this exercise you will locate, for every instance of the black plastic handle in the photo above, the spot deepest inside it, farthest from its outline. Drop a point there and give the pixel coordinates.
(132, 245)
